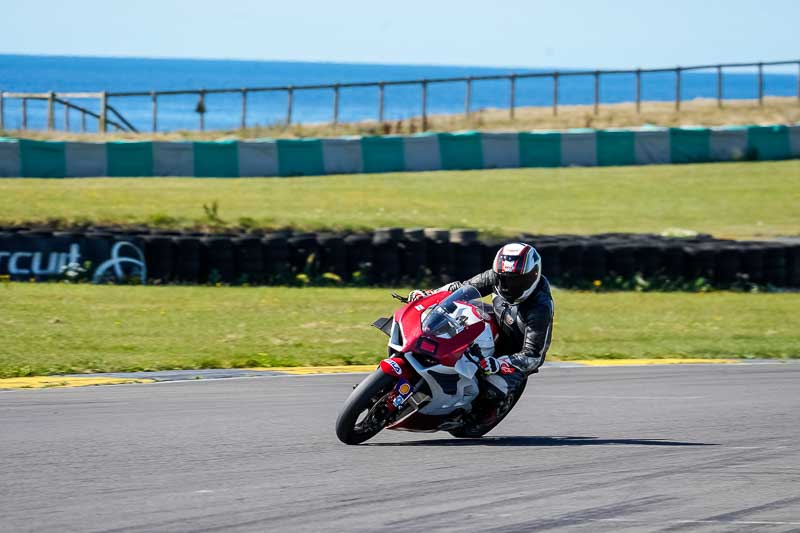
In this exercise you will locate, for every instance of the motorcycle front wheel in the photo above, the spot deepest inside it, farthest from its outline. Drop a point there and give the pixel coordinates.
(364, 413)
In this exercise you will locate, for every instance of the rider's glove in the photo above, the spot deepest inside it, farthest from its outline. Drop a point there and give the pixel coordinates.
(416, 294)
(490, 365)
(493, 365)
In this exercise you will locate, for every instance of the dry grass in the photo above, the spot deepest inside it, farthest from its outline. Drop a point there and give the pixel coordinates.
(776, 110)
(694, 112)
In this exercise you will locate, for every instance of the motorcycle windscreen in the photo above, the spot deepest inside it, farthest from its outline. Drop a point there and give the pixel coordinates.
(445, 319)
(465, 294)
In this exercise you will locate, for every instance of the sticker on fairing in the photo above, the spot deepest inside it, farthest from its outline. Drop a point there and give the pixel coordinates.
(395, 367)
(403, 389)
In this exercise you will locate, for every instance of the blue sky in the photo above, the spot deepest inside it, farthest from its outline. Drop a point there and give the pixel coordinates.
(512, 33)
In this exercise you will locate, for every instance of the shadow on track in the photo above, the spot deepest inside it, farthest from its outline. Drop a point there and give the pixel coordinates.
(542, 441)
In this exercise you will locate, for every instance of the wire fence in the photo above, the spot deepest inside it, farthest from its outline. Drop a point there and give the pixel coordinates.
(109, 116)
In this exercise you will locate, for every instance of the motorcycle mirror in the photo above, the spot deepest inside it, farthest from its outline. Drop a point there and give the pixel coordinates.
(398, 297)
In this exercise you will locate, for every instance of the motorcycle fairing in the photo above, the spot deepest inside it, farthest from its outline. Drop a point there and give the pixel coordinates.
(452, 384)
(384, 325)
(396, 367)
(452, 387)
(407, 326)
(407, 336)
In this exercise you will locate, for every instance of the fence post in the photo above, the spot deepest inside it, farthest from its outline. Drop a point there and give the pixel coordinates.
(677, 88)
(513, 96)
(761, 84)
(381, 88)
(201, 109)
(596, 91)
(555, 93)
(66, 118)
(101, 122)
(638, 90)
(424, 105)
(468, 98)
(51, 112)
(244, 108)
(2, 112)
(24, 113)
(154, 101)
(83, 122)
(719, 86)
(336, 104)
(289, 99)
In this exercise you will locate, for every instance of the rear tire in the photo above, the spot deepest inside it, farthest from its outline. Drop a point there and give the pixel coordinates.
(370, 396)
(476, 431)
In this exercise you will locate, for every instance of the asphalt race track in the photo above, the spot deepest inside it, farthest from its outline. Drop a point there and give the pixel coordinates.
(671, 448)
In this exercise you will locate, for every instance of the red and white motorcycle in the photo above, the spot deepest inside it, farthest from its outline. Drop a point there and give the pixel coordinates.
(430, 379)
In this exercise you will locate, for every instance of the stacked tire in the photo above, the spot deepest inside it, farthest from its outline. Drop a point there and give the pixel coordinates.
(416, 257)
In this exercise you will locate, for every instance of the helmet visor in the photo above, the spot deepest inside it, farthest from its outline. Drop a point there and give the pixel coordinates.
(513, 286)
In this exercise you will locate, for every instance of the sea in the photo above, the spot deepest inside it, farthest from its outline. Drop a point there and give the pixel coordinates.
(31, 73)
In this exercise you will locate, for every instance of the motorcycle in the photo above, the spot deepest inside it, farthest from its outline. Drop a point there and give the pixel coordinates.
(429, 382)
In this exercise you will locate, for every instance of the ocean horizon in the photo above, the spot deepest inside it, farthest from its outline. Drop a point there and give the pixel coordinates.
(42, 73)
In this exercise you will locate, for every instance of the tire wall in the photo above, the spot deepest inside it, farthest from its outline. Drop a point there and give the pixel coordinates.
(389, 256)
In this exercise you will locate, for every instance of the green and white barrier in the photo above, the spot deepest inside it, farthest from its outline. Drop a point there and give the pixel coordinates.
(428, 151)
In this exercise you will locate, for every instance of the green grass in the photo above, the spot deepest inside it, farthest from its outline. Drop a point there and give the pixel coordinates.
(54, 328)
(725, 199)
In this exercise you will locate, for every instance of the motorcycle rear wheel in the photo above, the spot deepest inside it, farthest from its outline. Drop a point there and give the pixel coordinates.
(370, 397)
(476, 431)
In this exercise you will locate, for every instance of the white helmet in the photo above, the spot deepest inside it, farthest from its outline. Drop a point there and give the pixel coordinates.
(519, 269)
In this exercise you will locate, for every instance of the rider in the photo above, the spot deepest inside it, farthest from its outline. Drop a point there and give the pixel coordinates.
(523, 310)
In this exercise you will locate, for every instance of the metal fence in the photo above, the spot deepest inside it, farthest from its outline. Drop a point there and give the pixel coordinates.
(109, 116)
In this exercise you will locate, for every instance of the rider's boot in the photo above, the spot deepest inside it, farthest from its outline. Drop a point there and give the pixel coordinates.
(494, 390)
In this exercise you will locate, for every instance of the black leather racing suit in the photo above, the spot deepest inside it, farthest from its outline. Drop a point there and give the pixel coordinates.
(525, 328)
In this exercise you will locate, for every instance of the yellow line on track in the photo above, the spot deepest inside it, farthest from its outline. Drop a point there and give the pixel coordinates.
(42, 382)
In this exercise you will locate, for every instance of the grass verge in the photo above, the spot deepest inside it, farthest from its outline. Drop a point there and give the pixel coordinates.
(776, 110)
(57, 328)
(726, 199)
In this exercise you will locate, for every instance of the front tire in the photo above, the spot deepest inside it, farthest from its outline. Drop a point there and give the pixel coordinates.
(368, 399)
